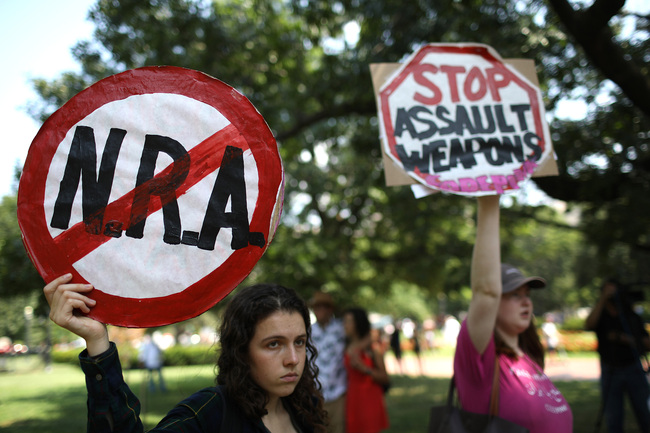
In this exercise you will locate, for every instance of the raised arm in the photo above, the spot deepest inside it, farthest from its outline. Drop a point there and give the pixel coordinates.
(485, 274)
(65, 301)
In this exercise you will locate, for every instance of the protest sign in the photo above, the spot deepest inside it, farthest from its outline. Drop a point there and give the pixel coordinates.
(160, 186)
(458, 118)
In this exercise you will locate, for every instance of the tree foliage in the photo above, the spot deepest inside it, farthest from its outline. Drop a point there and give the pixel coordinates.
(16, 271)
(305, 65)
(623, 63)
(606, 156)
(19, 281)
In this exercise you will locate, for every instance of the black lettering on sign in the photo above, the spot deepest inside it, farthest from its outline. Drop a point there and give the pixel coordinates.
(421, 123)
(501, 120)
(414, 160)
(438, 156)
(494, 152)
(511, 148)
(463, 154)
(82, 165)
(229, 189)
(436, 150)
(404, 122)
(520, 110)
(230, 185)
(478, 120)
(163, 187)
(532, 140)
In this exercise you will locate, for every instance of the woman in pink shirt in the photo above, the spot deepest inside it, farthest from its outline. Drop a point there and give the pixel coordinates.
(499, 330)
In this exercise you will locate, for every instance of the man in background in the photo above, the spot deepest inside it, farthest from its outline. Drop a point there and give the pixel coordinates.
(622, 340)
(329, 338)
(151, 357)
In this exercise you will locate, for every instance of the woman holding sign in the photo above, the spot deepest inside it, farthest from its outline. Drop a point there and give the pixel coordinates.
(499, 333)
(266, 380)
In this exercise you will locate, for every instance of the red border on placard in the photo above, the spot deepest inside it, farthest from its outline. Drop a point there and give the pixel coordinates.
(478, 50)
(51, 256)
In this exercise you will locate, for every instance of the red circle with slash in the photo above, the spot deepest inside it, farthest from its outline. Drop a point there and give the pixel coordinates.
(240, 155)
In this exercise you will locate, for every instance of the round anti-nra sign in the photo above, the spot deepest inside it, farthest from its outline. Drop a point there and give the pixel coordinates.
(160, 186)
(456, 118)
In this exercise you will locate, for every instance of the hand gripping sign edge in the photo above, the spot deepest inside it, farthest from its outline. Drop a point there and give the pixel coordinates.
(431, 179)
(248, 130)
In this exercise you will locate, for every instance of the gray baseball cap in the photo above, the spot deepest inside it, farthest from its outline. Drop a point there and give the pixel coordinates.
(512, 279)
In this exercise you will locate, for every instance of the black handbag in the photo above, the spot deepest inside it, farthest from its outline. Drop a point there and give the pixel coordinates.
(452, 419)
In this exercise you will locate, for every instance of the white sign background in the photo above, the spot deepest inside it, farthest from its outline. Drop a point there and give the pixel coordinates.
(402, 88)
(147, 282)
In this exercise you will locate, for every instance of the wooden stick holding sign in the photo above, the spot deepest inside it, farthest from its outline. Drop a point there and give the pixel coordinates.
(458, 118)
(160, 186)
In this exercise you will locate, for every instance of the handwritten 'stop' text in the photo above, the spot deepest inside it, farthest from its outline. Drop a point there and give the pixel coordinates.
(457, 111)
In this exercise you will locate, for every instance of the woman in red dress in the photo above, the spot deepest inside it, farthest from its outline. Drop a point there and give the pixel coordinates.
(367, 377)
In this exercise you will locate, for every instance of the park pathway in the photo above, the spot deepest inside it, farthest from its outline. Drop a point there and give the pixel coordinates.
(564, 369)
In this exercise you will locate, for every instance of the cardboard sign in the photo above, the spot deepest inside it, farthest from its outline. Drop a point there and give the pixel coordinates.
(161, 186)
(458, 118)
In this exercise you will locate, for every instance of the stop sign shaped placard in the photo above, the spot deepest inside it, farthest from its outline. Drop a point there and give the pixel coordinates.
(160, 186)
(456, 118)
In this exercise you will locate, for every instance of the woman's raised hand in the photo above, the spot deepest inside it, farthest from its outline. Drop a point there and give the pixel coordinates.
(69, 305)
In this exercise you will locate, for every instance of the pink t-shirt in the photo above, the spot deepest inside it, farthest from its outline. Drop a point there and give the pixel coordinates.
(526, 395)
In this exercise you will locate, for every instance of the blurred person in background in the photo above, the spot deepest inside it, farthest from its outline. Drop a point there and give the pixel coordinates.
(151, 357)
(367, 377)
(329, 338)
(417, 349)
(396, 345)
(552, 338)
(622, 340)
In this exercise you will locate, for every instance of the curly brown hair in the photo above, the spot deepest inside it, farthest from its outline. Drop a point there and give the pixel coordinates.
(245, 310)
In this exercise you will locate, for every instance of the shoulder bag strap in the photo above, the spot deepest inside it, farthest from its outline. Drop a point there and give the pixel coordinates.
(494, 397)
(450, 393)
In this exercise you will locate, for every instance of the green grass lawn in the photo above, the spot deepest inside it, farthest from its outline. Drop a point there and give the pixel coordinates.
(35, 401)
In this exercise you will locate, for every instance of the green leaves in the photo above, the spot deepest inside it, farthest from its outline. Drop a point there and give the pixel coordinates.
(343, 229)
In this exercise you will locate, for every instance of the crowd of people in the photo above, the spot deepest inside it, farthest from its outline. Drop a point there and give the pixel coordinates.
(278, 372)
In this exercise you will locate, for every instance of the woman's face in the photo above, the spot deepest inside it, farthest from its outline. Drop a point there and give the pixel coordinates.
(348, 325)
(515, 311)
(277, 353)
